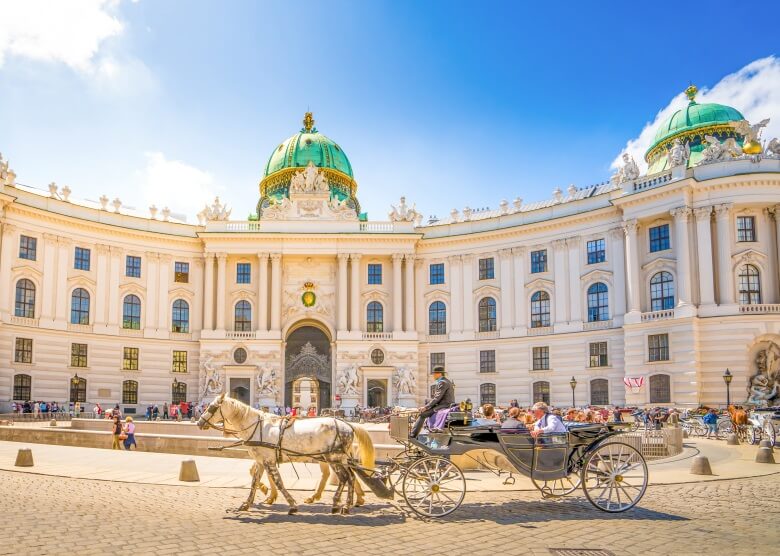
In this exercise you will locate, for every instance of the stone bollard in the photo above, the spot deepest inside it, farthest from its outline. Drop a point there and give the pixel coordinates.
(764, 455)
(53, 423)
(701, 466)
(24, 458)
(189, 471)
(765, 444)
(732, 440)
(686, 434)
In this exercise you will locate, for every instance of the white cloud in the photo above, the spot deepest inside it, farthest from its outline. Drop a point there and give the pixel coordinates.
(175, 184)
(754, 91)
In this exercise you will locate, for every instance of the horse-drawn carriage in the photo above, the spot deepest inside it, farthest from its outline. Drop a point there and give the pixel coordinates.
(763, 424)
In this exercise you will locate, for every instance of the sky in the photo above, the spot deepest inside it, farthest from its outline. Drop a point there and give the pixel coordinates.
(449, 103)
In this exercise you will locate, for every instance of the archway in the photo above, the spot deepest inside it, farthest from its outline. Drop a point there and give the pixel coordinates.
(307, 368)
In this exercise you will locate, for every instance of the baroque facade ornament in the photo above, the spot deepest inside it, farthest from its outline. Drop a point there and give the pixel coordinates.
(404, 213)
(763, 386)
(213, 383)
(717, 151)
(773, 148)
(405, 381)
(217, 211)
(309, 180)
(679, 153)
(628, 172)
(267, 382)
(348, 380)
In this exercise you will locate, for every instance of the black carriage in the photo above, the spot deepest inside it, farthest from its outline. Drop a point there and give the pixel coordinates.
(612, 474)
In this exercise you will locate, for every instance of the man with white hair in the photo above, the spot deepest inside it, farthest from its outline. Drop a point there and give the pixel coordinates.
(546, 422)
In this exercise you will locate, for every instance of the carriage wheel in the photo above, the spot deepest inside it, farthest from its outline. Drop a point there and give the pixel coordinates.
(433, 487)
(753, 435)
(769, 431)
(558, 487)
(614, 477)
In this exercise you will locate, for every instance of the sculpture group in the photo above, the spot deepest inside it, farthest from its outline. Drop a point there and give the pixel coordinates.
(763, 386)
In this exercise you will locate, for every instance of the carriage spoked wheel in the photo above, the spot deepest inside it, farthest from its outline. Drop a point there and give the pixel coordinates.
(614, 477)
(433, 487)
(753, 435)
(558, 487)
(769, 433)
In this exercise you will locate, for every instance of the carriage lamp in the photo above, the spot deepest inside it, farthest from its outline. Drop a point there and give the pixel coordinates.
(75, 380)
(727, 377)
(469, 405)
(573, 384)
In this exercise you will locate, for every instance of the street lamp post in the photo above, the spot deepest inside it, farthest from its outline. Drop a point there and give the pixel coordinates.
(727, 377)
(573, 384)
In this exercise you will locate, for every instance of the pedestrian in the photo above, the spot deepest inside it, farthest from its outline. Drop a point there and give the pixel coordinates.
(37, 410)
(129, 430)
(711, 420)
(148, 412)
(116, 432)
(616, 415)
(165, 410)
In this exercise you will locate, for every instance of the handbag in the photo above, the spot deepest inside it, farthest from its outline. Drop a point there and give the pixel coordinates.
(122, 436)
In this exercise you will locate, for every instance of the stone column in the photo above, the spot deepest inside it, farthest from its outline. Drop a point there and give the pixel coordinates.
(49, 278)
(704, 251)
(6, 257)
(354, 285)
(469, 307)
(63, 258)
(507, 291)
(456, 294)
(341, 294)
(221, 287)
(682, 249)
(276, 292)
(726, 293)
(101, 297)
(518, 274)
(208, 292)
(420, 307)
(163, 307)
(560, 300)
(152, 276)
(262, 292)
(633, 286)
(776, 214)
(573, 274)
(618, 260)
(113, 286)
(397, 293)
(409, 293)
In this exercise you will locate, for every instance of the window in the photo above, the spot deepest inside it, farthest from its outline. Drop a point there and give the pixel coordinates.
(487, 269)
(436, 272)
(487, 394)
(487, 314)
(243, 273)
(597, 252)
(78, 390)
(81, 258)
(131, 312)
(129, 392)
(133, 266)
(660, 389)
(23, 350)
(178, 392)
(25, 299)
(240, 355)
(377, 356)
(540, 309)
(749, 285)
(22, 388)
(130, 359)
(487, 361)
(243, 317)
(539, 261)
(78, 355)
(374, 317)
(599, 391)
(28, 248)
(437, 360)
(658, 347)
(542, 392)
(374, 273)
(180, 317)
(661, 291)
(179, 361)
(541, 358)
(598, 354)
(79, 306)
(437, 318)
(181, 272)
(659, 238)
(746, 228)
(598, 302)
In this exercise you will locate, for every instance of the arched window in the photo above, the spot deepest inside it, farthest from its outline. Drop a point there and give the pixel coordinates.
(598, 302)
(374, 317)
(178, 392)
(487, 393)
(22, 388)
(599, 391)
(25, 299)
(542, 392)
(660, 390)
(749, 285)
(180, 319)
(130, 392)
(487, 314)
(437, 318)
(79, 306)
(78, 389)
(243, 317)
(131, 312)
(661, 291)
(540, 309)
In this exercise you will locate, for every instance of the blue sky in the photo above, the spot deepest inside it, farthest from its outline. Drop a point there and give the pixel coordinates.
(450, 103)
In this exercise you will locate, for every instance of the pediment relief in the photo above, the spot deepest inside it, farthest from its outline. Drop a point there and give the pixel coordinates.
(181, 293)
(597, 275)
(375, 295)
(243, 293)
(26, 270)
(486, 290)
(540, 284)
(661, 263)
(135, 289)
(437, 294)
(749, 256)
(82, 281)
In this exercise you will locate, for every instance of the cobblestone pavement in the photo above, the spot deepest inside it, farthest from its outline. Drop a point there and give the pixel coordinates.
(44, 514)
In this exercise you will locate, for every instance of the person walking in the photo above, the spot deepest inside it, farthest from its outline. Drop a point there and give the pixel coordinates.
(155, 413)
(165, 410)
(129, 430)
(116, 431)
(148, 412)
(711, 420)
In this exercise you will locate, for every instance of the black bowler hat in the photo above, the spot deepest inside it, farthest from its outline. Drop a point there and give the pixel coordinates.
(439, 370)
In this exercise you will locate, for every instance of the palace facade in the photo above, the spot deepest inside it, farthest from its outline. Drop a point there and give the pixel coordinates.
(643, 289)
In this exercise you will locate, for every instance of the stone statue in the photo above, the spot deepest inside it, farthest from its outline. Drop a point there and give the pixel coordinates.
(629, 171)
(266, 381)
(679, 154)
(309, 180)
(403, 213)
(405, 381)
(278, 210)
(763, 386)
(717, 151)
(341, 210)
(347, 381)
(750, 132)
(217, 211)
(214, 383)
(773, 148)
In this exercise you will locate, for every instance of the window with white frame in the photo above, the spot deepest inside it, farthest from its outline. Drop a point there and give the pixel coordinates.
(749, 285)
(487, 394)
(540, 309)
(746, 228)
(660, 389)
(486, 269)
(541, 392)
(598, 354)
(541, 358)
(661, 291)
(487, 314)
(597, 251)
(487, 361)
(658, 347)
(598, 302)
(599, 391)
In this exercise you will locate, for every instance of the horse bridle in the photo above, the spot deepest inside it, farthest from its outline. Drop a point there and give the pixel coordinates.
(208, 415)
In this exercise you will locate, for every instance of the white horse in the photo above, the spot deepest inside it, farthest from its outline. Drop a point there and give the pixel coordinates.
(323, 437)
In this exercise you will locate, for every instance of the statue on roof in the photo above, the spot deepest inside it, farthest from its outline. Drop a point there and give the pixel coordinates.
(629, 171)
(403, 213)
(717, 151)
(679, 154)
(217, 211)
(773, 148)
(751, 132)
(309, 180)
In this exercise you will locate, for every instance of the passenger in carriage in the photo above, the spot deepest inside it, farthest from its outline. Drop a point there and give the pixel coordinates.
(512, 422)
(546, 422)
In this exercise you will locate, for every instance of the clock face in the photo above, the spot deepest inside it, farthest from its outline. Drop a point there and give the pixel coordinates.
(308, 299)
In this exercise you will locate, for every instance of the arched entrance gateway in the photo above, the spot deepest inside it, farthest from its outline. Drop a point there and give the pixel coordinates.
(307, 369)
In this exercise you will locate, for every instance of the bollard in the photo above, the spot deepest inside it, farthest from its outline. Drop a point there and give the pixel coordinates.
(732, 440)
(686, 434)
(24, 458)
(53, 423)
(189, 471)
(764, 455)
(701, 466)
(765, 444)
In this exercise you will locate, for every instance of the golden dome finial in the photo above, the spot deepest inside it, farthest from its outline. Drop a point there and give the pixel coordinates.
(691, 91)
(308, 122)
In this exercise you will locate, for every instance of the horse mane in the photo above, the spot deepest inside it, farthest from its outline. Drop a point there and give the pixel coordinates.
(242, 411)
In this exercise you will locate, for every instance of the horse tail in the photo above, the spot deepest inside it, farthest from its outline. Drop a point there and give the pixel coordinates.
(365, 446)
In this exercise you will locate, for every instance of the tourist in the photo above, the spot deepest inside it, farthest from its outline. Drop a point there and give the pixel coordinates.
(512, 422)
(155, 413)
(149, 412)
(546, 422)
(488, 415)
(197, 411)
(37, 409)
(617, 416)
(165, 410)
(711, 420)
(312, 411)
(116, 431)
(174, 409)
(129, 430)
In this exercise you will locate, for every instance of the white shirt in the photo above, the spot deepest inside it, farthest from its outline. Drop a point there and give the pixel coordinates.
(550, 423)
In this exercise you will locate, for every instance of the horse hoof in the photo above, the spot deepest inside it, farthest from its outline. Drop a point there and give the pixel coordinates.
(359, 502)
(243, 508)
(344, 511)
(292, 511)
(309, 501)
(334, 511)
